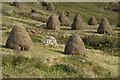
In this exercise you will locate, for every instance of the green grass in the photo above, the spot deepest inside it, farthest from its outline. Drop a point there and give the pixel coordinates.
(64, 68)
(101, 71)
(36, 39)
(85, 10)
(19, 64)
(53, 62)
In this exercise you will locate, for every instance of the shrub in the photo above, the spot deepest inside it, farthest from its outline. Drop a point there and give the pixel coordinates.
(19, 60)
(7, 60)
(62, 38)
(65, 68)
(11, 60)
(106, 43)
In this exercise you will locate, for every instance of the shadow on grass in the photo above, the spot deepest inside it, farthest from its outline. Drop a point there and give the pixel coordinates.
(61, 52)
(60, 28)
(90, 32)
(2, 46)
(11, 4)
(41, 27)
(65, 28)
(57, 51)
(116, 29)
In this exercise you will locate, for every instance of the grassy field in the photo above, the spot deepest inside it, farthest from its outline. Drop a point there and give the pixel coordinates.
(50, 61)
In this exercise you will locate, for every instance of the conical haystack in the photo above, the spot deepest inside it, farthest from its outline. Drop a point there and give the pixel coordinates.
(50, 6)
(104, 27)
(75, 46)
(53, 23)
(92, 21)
(77, 24)
(19, 39)
(17, 3)
(62, 17)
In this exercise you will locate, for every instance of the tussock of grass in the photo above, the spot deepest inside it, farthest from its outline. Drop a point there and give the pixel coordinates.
(65, 68)
(42, 66)
(14, 60)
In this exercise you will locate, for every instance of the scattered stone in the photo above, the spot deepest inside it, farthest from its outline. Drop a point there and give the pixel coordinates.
(9, 11)
(84, 61)
(5, 53)
(88, 59)
(50, 41)
(105, 8)
(35, 15)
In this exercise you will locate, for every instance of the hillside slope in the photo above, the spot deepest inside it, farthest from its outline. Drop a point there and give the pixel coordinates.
(50, 61)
